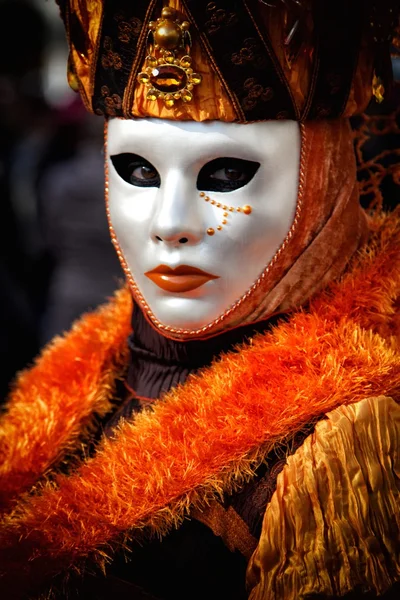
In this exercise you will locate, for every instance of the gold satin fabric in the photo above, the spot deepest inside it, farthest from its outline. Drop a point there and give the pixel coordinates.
(90, 14)
(333, 523)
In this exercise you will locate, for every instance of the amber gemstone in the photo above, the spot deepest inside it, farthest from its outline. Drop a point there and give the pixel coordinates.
(152, 95)
(186, 61)
(143, 78)
(169, 101)
(195, 78)
(151, 61)
(168, 78)
(186, 96)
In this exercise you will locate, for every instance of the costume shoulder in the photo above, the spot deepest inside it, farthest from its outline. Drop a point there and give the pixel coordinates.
(51, 405)
(333, 524)
(215, 430)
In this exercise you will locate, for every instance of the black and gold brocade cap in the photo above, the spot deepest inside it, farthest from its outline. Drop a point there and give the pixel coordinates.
(254, 60)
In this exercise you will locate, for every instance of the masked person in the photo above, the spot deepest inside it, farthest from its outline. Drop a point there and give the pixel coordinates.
(243, 444)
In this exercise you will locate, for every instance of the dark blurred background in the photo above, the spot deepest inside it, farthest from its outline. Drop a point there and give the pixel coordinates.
(56, 259)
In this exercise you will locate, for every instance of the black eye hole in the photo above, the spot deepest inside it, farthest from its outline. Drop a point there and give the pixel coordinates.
(226, 174)
(136, 170)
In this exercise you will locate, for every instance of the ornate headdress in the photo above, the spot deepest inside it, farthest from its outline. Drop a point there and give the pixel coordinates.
(255, 59)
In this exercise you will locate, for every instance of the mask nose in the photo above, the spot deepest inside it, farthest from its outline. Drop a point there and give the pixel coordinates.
(174, 239)
(178, 219)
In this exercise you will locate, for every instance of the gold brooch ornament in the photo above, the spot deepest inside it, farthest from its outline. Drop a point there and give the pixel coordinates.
(167, 71)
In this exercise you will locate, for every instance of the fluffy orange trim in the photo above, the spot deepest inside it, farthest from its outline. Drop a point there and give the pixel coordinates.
(207, 436)
(53, 403)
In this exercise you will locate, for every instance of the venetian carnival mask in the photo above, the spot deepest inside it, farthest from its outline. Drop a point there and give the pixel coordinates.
(231, 180)
(200, 209)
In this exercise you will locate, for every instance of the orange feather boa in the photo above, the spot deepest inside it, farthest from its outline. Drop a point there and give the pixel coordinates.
(205, 438)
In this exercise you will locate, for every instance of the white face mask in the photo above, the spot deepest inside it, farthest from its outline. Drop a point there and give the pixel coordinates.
(172, 184)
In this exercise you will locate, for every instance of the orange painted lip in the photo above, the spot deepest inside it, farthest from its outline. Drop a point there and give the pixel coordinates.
(181, 279)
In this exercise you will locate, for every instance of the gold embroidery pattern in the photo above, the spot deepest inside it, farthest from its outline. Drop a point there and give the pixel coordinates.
(219, 18)
(128, 29)
(250, 53)
(255, 93)
(110, 59)
(322, 111)
(112, 102)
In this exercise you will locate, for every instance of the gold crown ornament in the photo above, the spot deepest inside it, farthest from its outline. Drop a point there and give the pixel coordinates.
(168, 72)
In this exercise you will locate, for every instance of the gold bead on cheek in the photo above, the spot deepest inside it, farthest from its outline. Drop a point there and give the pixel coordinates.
(245, 210)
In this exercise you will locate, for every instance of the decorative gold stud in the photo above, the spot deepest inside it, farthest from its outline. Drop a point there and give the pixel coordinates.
(210, 231)
(186, 61)
(152, 95)
(186, 95)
